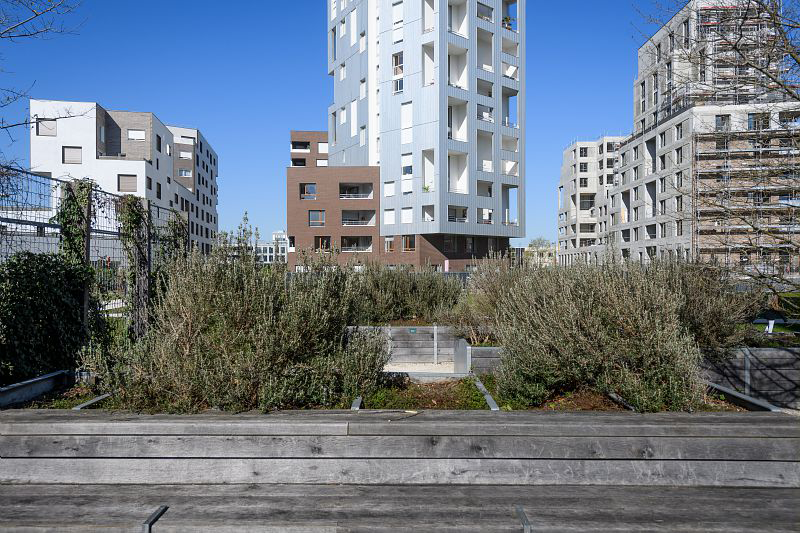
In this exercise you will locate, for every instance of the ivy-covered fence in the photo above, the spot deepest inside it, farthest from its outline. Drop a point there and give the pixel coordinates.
(118, 241)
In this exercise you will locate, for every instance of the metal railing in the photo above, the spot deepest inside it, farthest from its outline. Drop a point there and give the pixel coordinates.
(453, 218)
(356, 196)
(350, 222)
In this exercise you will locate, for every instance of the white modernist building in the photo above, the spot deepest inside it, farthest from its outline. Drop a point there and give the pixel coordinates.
(127, 152)
(274, 251)
(433, 92)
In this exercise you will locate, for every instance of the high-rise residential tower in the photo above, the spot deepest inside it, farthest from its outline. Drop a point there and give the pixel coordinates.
(432, 92)
(710, 171)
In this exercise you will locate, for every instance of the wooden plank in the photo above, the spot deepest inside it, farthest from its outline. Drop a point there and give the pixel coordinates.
(402, 471)
(230, 427)
(509, 447)
(571, 507)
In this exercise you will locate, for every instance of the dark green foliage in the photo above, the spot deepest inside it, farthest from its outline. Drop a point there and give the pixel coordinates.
(41, 306)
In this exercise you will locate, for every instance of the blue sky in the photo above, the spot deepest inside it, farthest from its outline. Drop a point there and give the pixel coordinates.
(245, 73)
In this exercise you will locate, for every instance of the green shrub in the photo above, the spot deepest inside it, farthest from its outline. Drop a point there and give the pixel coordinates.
(612, 328)
(41, 315)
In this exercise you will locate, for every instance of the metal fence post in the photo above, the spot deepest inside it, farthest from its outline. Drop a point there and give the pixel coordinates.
(87, 258)
(435, 344)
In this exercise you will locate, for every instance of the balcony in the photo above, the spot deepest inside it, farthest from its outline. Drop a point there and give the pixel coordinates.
(355, 191)
(510, 71)
(356, 244)
(485, 166)
(358, 218)
(485, 113)
(485, 216)
(457, 214)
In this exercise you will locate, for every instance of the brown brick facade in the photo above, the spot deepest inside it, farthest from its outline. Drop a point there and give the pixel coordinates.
(331, 186)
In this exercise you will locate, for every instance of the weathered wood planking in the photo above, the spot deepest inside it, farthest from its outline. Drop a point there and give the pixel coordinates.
(510, 447)
(403, 471)
(247, 507)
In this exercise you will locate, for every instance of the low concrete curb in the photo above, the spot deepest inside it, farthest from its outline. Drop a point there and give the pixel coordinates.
(26, 391)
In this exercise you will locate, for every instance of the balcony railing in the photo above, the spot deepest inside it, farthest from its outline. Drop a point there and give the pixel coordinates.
(453, 218)
(351, 249)
(508, 122)
(456, 85)
(485, 166)
(485, 221)
(458, 190)
(353, 222)
(511, 223)
(308, 196)
(485, 116)
(354, 196)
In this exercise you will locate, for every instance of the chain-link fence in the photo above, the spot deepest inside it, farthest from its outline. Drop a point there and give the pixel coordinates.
(125, 237)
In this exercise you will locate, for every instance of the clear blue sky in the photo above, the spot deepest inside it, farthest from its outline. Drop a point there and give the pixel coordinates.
(245, 73)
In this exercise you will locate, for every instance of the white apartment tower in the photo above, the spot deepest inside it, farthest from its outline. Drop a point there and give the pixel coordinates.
(433, 92)
(587, 177)
(128, 152)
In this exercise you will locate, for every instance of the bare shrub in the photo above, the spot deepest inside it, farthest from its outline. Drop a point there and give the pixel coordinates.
(474, 316)
(613, 328)
(227, 333)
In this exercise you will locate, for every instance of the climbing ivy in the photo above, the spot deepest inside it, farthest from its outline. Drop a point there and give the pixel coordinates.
(71, 217)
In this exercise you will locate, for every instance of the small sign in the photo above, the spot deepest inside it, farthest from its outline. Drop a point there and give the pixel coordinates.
(412, 330)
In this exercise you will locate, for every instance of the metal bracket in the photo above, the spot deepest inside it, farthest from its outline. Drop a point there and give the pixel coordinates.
(147, 525)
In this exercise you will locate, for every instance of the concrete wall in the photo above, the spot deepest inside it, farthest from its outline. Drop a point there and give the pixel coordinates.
(769, 374)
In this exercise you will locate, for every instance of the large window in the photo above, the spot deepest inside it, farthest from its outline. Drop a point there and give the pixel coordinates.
(316, 218)
(397, 72)
(322, 243)
(136, 135)
(388, 244)
(409, 243)
(127, 183)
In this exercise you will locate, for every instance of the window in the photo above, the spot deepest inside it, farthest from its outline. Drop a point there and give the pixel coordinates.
(469, 244)
(149, 183)
(757, 121)
(316, 218)
(409, 243)
(584, 182)
(297, 162)
(322, 162)
(169, 148)
(342, 115)
(406, 131)
(362, 89)
(322, 242)
(686, 33)
(388, 244)
(584, 167)
(397, 22)
(662, 139)
(679, 203)
(584, 152)
(397, 72)
(722, 122)
(662, 207)
(362, 42)
(678, 132)
(362, 136)
(46, 127)
(449, 243)
(353, 18)
(405, 165)
(322, 148)
(679, 227)
(679, 155)
(308, 191)
(71, 155)
(388, 216)
(679, 179)
(388, 188)
(353, 118)
(342, 71)
(136, 135)
(185, 155)
(158, 143)
(407, 215)
(126, 182)
(158, 191)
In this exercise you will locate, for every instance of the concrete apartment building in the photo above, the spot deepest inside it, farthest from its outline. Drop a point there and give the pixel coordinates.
(710, 172)
(587, 177)
(429, 94)
(128, 152)
(274, 251)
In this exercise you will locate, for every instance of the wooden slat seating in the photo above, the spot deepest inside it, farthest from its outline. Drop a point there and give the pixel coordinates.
(394, 470)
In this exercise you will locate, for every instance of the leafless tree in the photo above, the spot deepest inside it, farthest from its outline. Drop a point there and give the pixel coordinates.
(22, 20)
(745, 183)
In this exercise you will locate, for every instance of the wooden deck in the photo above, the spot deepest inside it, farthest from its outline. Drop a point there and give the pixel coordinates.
(394, 471)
